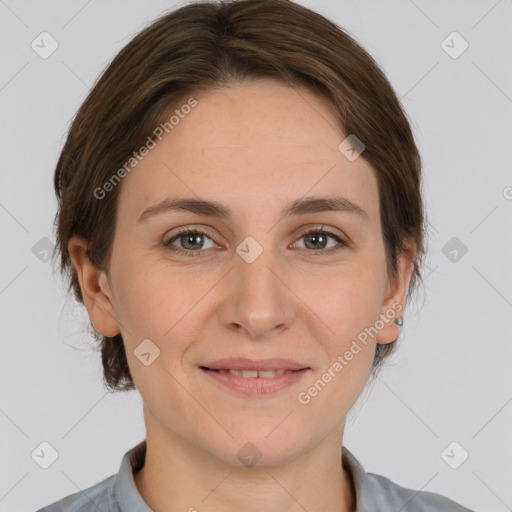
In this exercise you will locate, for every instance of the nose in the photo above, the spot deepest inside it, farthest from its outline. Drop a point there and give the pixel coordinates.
(257, 299)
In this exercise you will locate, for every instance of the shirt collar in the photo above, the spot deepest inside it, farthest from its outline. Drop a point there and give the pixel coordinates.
(126, 494)
(364, 486)
(125, 491)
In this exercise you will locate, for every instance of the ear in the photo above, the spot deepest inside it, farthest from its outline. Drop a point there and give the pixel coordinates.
(396, 293)
(95, 289)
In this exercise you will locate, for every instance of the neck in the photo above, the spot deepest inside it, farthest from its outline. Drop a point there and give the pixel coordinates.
(178, 476)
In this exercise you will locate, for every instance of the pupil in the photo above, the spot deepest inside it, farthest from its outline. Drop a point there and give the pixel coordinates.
(315, 238)
(192, 239)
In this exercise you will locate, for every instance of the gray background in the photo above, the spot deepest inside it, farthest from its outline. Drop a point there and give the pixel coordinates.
(451, 380)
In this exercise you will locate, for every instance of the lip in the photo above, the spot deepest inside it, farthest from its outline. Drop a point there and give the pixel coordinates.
(242, 363)
(256, 386)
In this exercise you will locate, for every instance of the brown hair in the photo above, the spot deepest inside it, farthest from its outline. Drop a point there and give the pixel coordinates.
(207, 45)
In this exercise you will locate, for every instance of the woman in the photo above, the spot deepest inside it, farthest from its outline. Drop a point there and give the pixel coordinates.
(240, 212)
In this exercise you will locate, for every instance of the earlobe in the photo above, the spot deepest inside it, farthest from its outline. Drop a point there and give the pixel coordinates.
(95, 290)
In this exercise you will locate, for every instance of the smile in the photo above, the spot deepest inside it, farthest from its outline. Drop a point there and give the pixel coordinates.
(254, 382)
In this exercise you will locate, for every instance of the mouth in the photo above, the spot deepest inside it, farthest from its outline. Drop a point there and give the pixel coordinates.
(254, 381)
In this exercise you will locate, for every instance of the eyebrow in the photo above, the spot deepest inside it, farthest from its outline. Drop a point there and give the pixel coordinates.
(301, 206)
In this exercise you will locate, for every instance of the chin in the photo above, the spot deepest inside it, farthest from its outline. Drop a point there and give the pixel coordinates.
(264, 446)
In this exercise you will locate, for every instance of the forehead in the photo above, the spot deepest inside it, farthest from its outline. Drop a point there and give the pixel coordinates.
(251, 145)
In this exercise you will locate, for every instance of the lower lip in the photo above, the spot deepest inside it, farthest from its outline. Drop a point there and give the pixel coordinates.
(251, 386)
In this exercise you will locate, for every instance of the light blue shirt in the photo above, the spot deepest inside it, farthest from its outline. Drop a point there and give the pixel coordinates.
(374, 493)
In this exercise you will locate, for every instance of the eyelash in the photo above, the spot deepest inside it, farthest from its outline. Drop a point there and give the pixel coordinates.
(190, 231)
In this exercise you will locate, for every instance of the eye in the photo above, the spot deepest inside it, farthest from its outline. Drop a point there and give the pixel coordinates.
(317, 238)
(191, 241)
(188, 240)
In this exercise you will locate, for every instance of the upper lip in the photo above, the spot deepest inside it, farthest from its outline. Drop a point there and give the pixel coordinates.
(242, 363)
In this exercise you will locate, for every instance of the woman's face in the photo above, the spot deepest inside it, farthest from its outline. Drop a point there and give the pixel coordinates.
(249, 285)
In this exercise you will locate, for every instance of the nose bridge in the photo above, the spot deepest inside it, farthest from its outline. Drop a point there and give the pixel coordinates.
(253, 268)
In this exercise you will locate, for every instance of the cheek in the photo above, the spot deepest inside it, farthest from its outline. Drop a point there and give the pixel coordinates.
(164, 305)
(351, 300)
(349, 353)
(145, 291)
(350, 309)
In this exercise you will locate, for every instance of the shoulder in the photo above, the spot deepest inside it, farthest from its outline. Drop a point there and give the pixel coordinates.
(377, 492)
(409, 500)
(94, 498)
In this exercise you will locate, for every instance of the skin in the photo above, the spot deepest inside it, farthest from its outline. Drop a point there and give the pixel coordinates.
(254, 147)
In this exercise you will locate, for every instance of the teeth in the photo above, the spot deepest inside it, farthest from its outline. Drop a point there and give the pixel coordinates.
(246, 374)
(270, 374)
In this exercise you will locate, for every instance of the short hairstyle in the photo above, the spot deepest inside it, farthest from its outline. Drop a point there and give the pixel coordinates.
(204, 46)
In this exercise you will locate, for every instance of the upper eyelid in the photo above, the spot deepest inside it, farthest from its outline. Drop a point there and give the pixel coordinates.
(183, 231)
